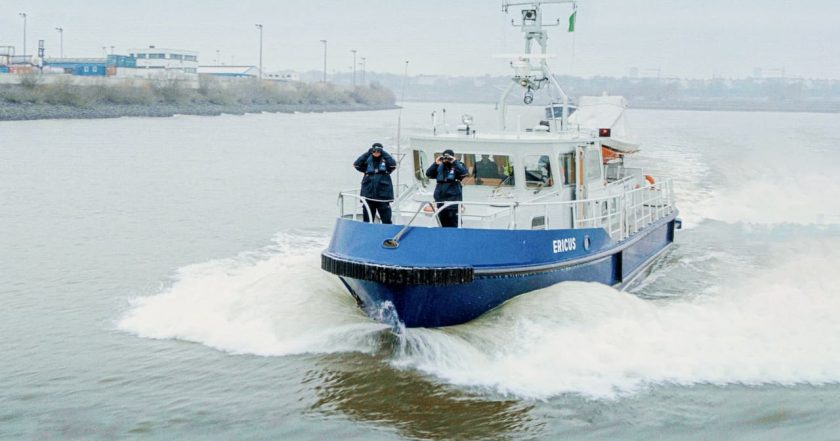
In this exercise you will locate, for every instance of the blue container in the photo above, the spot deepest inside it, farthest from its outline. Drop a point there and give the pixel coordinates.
(4, 69)
(121, 61)
(89, 70)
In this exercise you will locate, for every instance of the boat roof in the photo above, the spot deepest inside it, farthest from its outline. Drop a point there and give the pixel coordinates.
(507, 136)
(509, 140)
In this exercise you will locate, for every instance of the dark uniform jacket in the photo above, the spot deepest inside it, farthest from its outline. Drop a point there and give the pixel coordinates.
(376, 184)
(448, 186)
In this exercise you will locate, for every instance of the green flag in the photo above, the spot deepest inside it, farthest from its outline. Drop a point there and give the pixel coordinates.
(572, 19)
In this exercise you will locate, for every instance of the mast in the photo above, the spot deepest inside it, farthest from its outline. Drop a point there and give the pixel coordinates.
(527, 75)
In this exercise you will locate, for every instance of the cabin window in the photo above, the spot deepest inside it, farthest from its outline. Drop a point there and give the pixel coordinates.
(486, 170)
(538, 171)
(592, 165)
(420, 166)
(567, 168)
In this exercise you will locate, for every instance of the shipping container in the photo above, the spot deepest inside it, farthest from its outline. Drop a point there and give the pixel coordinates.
(21, 69)
(52, 70)
(4, 69)
(121, 61)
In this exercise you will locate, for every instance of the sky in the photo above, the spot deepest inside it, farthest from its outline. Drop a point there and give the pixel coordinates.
(679, 38)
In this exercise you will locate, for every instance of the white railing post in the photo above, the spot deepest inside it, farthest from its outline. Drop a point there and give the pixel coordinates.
(546, 223)
(623, 216)
(512, 223)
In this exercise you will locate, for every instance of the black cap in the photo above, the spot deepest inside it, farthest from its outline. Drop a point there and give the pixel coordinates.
(376, 146)
(449, 152)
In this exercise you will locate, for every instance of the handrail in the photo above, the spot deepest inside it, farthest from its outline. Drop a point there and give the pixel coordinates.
(395, 241)
(621, 214)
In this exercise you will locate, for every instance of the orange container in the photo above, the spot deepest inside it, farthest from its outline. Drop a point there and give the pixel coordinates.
(21, 69)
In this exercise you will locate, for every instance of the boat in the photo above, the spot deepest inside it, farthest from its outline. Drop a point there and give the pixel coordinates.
(549, 203)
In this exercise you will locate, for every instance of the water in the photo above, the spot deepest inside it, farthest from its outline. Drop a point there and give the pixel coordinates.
(160, 280)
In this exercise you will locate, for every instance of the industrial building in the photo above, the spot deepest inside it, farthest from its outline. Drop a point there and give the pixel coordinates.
(229, 71)
(225, 71)
(282, 75)
(172, 60)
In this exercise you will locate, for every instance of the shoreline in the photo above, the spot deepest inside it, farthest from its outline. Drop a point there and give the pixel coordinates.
(41, 111)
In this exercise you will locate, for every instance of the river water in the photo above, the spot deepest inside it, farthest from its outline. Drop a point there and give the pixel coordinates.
(159, 279)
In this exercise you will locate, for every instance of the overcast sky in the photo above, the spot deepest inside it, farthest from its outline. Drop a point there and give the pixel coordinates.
(685, 38)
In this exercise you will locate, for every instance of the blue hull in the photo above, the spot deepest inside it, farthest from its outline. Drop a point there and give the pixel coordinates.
(493, 265)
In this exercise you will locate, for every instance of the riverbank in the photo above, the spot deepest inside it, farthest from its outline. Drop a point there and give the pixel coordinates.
(33, 99)
(35, 111)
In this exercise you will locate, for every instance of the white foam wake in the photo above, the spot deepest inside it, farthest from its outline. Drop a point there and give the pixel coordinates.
(273, 302)
(777, 325)
(804, 199)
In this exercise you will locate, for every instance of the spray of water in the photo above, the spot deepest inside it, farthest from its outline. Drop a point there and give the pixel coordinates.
(776, 324)
(275, 301)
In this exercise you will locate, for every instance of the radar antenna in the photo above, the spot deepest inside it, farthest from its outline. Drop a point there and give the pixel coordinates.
(532, 76)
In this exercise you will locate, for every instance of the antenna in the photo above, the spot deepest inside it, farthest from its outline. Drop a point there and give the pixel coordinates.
(399, 130)
(528, 75)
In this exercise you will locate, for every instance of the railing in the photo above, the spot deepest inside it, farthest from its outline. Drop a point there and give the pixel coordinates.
(626, 213)
(621, 215)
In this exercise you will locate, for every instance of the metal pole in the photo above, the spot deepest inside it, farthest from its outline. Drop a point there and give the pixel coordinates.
(399, 130)
(364, 66)
(354, 67)
(325, 60)
(260, 27)
(112, 50)
(61, 40)
(23, 14)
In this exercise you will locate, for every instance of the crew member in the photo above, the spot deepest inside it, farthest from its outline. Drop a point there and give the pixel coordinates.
(448, 172)
(377, 188)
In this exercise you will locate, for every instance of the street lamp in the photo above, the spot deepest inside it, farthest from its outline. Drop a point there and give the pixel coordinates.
(354, 67)
(61, 40)
(325, 60)
(260, 27)
(105, 51)
(23, 14)
(364, 66)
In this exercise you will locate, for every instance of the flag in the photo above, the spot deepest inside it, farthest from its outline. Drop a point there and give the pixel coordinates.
(572, 19)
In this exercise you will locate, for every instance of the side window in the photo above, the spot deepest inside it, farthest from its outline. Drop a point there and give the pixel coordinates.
(567, 168)
(420, 164)
(538, 171)
(486, 170)
(489, 170)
